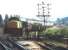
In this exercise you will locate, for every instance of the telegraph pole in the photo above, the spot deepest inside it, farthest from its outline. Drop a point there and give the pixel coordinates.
(45, 13)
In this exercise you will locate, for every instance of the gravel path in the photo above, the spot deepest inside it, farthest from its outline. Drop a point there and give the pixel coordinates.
(30, 45)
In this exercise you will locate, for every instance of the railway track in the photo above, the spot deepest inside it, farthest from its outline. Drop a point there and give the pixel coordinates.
(10, 45)
(6, 44)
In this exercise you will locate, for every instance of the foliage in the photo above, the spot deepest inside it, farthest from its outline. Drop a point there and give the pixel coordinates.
(64, 32)
(14, 18)
(57, 33)
(1, 21)
(53, 31)
(24, 24)
(6, 19)
(63, 21)
(37, 27)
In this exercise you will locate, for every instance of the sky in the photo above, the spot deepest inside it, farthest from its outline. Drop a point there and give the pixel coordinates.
(28, 8)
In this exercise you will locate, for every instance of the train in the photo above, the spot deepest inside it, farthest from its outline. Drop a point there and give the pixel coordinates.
(17, 28)
(13, 28)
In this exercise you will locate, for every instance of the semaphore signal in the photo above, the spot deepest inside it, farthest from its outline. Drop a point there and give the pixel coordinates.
(45, 11)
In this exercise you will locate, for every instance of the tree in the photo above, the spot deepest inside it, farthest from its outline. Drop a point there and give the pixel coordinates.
(37, 27)
(62, 21)
(25, 24)
(1, 20)
(14, 18)
(64, 32)
(6, 19)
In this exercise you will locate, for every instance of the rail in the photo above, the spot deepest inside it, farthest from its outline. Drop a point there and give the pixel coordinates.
(10, 45)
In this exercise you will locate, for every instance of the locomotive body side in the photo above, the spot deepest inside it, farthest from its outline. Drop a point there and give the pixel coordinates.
(13, 28)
